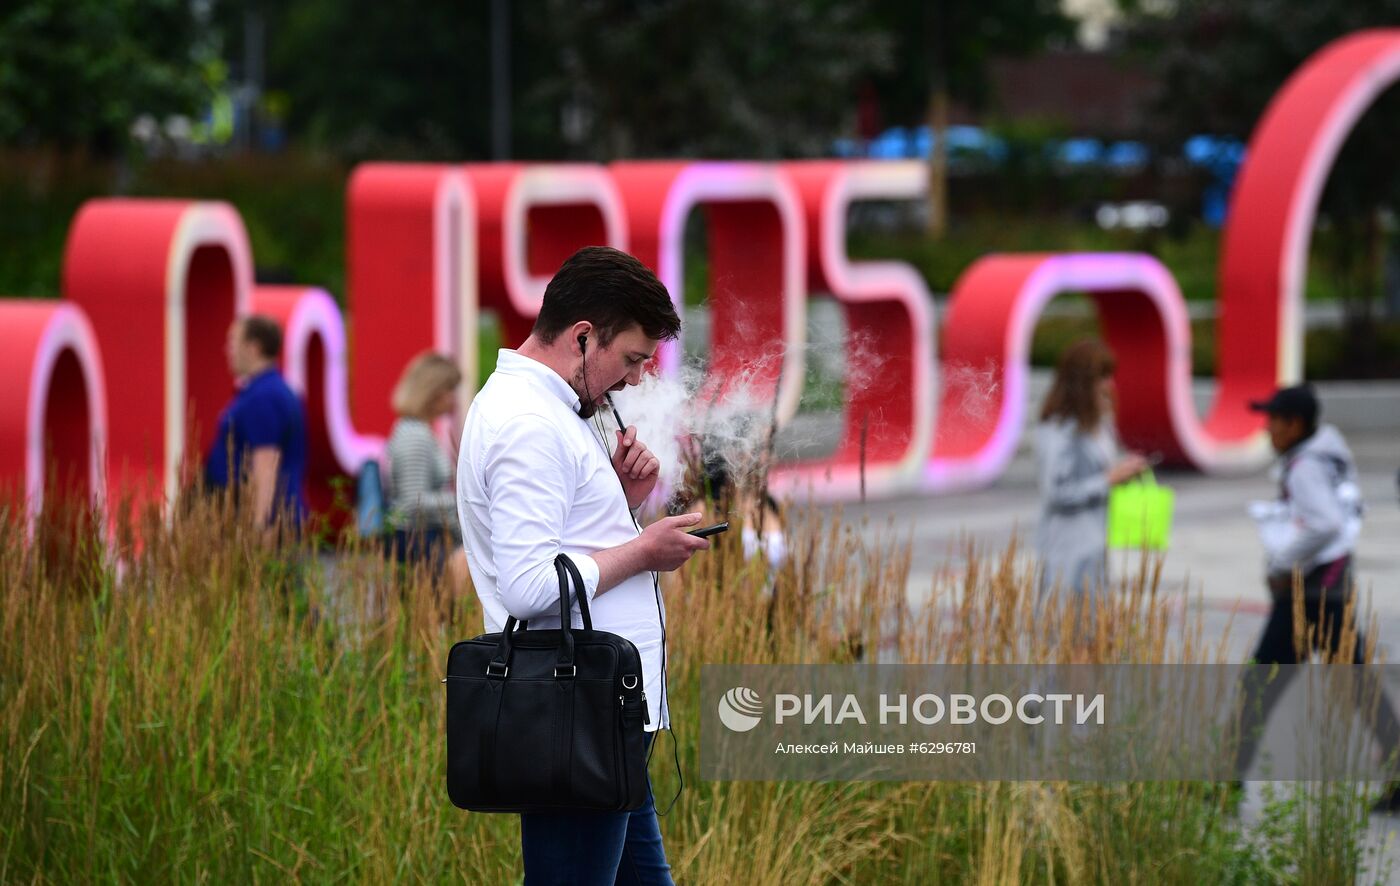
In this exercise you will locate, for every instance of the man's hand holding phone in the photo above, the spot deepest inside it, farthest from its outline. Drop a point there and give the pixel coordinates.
(707, 531)
(668, 544)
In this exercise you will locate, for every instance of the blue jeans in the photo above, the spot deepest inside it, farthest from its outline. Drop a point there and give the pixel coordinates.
(428, 544)
(594, 848)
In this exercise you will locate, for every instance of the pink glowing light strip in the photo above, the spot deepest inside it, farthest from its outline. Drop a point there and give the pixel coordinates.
(68, 329)
(316, 314)
(202, 224)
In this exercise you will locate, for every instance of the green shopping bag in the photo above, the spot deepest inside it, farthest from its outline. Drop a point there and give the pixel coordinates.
(1140, 514)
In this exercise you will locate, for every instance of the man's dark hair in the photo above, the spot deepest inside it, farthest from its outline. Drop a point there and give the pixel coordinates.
(265, 333)
(611, 290)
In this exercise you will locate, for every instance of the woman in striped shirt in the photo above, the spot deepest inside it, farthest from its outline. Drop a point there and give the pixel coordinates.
(422, 500)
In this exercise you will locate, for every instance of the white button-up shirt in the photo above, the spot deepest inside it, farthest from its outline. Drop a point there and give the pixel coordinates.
(535, 480)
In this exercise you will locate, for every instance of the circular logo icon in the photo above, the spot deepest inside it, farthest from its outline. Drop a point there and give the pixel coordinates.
(740, 709)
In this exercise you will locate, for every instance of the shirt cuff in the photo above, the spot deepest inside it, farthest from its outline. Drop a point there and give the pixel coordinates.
(588, 569)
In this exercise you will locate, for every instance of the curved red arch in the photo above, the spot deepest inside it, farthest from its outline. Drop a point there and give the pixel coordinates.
(410, 263)
(53, 408)
(1265, 250)
(985, 360)
(161, 280)
(1262, 271)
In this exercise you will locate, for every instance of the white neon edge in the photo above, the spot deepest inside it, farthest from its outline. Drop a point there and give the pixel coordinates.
(700, 183)
(1360, 93)
(562, 184)
(456, 298)
(875, 281)
(316, 314)
(68, 329)
(201, 224)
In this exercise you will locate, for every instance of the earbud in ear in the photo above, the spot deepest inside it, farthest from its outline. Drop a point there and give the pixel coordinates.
(583, 342)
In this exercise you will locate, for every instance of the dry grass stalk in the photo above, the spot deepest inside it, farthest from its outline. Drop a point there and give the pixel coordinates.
(200, 705)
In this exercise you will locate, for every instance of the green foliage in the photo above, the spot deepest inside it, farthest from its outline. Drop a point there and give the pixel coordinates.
(1313, 832)
(1192, 257)
(76, 73)
(1223, 62)
(952, 42)
(39, 193)
(292, 205)
(715, 78)
(602, 80)
(1329, 353)
(367, 79)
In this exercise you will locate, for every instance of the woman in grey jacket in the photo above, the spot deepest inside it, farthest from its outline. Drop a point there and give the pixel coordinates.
(1078, 460)
(422, 499)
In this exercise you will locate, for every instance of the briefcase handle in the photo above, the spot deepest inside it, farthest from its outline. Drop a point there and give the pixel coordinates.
(579, 593)
(499, 665)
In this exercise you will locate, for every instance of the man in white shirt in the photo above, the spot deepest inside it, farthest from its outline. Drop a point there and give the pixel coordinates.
(536, 478)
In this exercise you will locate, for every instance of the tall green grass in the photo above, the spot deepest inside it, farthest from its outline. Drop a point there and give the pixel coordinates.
(185, 704)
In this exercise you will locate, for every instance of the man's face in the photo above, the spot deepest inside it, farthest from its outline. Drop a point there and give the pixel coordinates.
(613, 366)
(233, 345)
(1284, 431)
(241, 352)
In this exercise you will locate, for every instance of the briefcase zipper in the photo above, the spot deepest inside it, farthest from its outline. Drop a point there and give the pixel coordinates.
(646, 714)
(620, 749)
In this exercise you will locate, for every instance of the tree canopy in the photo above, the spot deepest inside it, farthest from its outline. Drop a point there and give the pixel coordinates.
(77, 73)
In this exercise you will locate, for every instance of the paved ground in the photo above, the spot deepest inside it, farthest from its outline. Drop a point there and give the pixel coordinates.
(1214, 566)
(1214, 563)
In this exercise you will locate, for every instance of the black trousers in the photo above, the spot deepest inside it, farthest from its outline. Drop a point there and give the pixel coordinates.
(1327, 590)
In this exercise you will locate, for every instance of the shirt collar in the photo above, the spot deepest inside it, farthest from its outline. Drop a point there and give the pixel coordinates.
(511, 362)
(254, 378)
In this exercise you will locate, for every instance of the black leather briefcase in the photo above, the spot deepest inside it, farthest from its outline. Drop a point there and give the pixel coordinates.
(547, 720)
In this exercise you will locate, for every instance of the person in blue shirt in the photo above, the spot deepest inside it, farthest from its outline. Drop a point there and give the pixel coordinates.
(263, 430)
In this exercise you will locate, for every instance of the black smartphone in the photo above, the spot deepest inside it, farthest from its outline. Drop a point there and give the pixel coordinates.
(707, 531)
